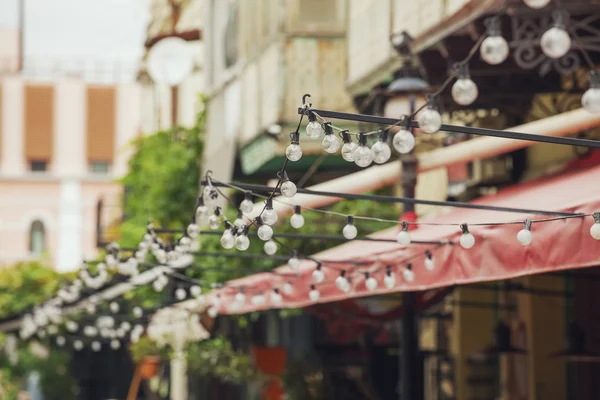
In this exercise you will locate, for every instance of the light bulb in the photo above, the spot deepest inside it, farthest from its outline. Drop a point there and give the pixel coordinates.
(239, 221)
(60, 341)
(294, 262)
(595, 228)
(114, 307)
(524, 236)
(342, 283)
(90, 331)
(242, 242)
(143, 246)
(494, 50)
(288, 189)
(350, 230)
(195, 291)
(78, 345)
(464, 91)
(318, 276)
(288, 288)
(269, 216)
(265, 232)
(201, 211)
(247, 206)
(115, 344)
(270, 247)
(209, 194)
(331, 143)
(161, 256)
(363, 156)
(430, 120)
(297, 221)
(555, 42)
(72, 326)
(293, 152)
(90, 308)
(403, 141)
(403, 236)
(185, 241)
(214, 221)
(227, 239)
(239, 298)
(591, 98)
(536, 3)
(408, 274)
(96, 346)
(258, 300)
(389, 280)
(429, 263)
(213, 312)
(348, 150)
(381, 152)
(371, 283)
(467, 240)
(276, 297)
(157, 286)
(314, 130)
(148, 239)
(314, 294)
(138, 312)
(180, 294)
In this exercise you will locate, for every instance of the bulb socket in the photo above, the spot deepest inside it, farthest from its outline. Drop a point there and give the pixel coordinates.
(595, 79)
(248, 196)
(240, 214)
(383, 135)
(493, 26)
(388, 270)
(527, 224)
(295, 137)
(404, 226)
(346, 136)
(561, 18)
(269, 203)
(312, 117)
(428, 255)
(343, 273)
(362, 139)
(464, 228)
(462, 70)
(276, 290)
(350, 220)
(319, 266)
(328, 128)
(367, 275)
(259, 221)
(297, 210)
(596, 216)
(218, 211)
(409, 266)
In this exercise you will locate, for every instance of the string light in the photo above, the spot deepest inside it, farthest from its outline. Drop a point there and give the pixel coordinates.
(370, 282)
(342, 283)
(61, 341)
(595, 228)
(213, 312)
(241, 241)
(381, 149)
(276, 297)
(313, 128)
(314, 294)
(363, 156)
(137, 312)
(524, 236)
(464, 90)
(247, 206)
(214, 221)
(195, 291)
(270, 247)
(349, 147)
(350, 230)
(408, 273)
(294, 152)
(240, 297)
(494, 48)
(467, 240)
(269, 216)
(96, 346)
(210, 194)
(78, 345)
(591, 98)
(201, 209)
(239, 221)
(294, 262)
(389, 280)
(140, 256)
(265, 232)
(331, 143)
(115, 344)
(258, 300)
(430, 120)
(403, 236)
(556, 42)
(227, 239)
(317, 275)
(288, 188)
(288, 288)
(180, 294)
(72, 326)
(404, 140)
(114, 307)
(297, 220)
(126, 326)
(536, 3)
(429, 263)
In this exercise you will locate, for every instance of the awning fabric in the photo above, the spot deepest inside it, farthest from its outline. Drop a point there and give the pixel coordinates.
(557, 245)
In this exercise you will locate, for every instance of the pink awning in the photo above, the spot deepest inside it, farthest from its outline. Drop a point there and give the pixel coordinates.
(557, 245)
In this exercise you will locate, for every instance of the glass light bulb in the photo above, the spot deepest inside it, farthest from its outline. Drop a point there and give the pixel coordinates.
(467, 240)
(288, 288)
(494, 50)
(408, 275)
(349, 231)
(314, 295)
(294, 263)
(242, 242)
(430, 120)
(371, 283)
(389, 280)
(238, 223)
(348, 150)
(265, 232)
(363, 156)
(269, 216)
(143, 246)
(318, 276)
(115, 344)
(140, 256)
(429, 264)
(138, 312)
(227, 239)
(209, 194)
(60, 341)
(213, 222)
(161, 256)
(180, 294)
(297, 221)
(148, 238)
(96, 346)
(247, 206)
(464, 91)
(524, 237)
(591, 100)
(114, 307)
(213, 312)
(293, 152)
(403, 141)
(403, 238)
(555, 42)
(314, 130)
(258, 300)
(595, 231)
(288, 189)
(381, 152)
(78, 345)
(331, 143)
(276, 298)
(270, 247)
(201, 211)
(536, 3)
(157, 286)
(342, 284)
(185, 241)
(239, 298)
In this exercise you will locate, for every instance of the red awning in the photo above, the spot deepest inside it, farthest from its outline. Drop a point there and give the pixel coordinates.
(558, 245)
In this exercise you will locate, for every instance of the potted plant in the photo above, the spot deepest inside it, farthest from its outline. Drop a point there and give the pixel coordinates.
(147, 355)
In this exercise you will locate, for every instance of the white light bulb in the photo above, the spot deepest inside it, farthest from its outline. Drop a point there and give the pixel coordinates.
(258, 300)
(288, 189)
(138, 312)
(331, 143)
(161, 256)
(536, 3)
(96, 346)
(464, 91)
(494, 50)
(363, 156)
(157, 286)
(115, 344)
(288, 288)
(227, 239)
(239, 298)
(201, 211)
(381, 152)
(429, 264)
(467, 240)
(247, 206)
(403, 141)
(195, 291)
(269, 216)
(524, 237)
(314, 295)
(408, 275)
(239, 222)
(314, 130)
(595, 231)
(270, 247)
(294, 263)
(213, 312)
(318, 276)
(403, 238)
(297, 221)
(114, 307)
(193, 230)
(60, 341)
(555, 42)
(591, 100)
(180, 294)
(143, 246)
(78, 345)
(276, 298)
(293, 152)
(348, 150)
(242, 242)
(342, 284)
(389, 280)
(90, 331)
(350, 231)
(90, 308)
(213, 222)
(371, 283)
(140, 256)
(148, 239)
(430, 120)
(265, 232)
(72, 326)
(209, 194)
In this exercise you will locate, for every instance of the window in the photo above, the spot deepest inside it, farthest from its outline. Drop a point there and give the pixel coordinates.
(38, 166)
(99, 167)
(37, 238)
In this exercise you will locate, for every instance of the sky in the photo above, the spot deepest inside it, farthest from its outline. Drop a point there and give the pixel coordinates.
(102, 37)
